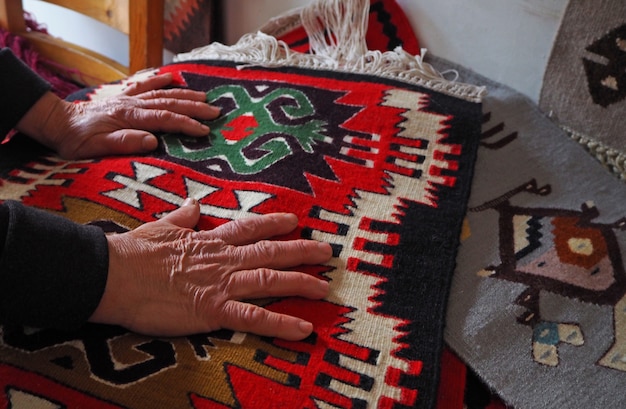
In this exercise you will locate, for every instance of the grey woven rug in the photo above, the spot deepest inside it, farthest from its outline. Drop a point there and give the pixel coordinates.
(584, 87)
(537, 307)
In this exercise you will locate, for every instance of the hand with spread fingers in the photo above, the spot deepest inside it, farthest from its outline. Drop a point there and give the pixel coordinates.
(166, 279)
(163, 278)
(119, 124)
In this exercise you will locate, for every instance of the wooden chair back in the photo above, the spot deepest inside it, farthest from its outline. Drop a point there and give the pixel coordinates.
(141, 20)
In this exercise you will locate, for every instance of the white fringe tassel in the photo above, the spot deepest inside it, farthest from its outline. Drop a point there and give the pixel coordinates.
(336, 30)
(611, 159)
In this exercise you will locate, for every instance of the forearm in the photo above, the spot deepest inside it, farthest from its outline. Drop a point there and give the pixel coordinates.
(46, 120)
(52, 271)
(20, 89)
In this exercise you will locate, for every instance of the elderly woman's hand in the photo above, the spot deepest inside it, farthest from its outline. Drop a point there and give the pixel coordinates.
(166, 279)
(120, 124)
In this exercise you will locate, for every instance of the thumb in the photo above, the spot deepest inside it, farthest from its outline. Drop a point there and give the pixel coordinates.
(125, 141)
(186, 216)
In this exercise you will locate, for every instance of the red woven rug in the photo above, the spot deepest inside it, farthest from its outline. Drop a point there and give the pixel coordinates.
(188, 24)
(388, 28)
(377, 166)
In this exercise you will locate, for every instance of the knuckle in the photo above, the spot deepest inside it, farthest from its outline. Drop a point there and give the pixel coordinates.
(124, 138)
(118, 109)
(302, 247)
(201, 305)
(162, 114)
(152, 94)
(233, 255)
(198, 301)
(229, 285)
(252, 315)
(266, 250)
(266, 278)
(193, 254)
(164, 102)
(244, 229)
(132, 88)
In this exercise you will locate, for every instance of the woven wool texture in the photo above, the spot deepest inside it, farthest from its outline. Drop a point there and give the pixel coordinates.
(189, 24)
(374, 159)
(537, 302)
(584, 87)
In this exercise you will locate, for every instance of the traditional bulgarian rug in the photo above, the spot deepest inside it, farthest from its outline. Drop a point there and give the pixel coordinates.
(374, 152)
(389, 28)
(189, 24)
(584, 87)
(538, 301)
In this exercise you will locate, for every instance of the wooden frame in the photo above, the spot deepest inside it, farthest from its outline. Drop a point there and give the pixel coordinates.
(141, 20)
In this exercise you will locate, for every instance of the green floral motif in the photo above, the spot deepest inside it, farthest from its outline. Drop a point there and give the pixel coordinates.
(234, 132)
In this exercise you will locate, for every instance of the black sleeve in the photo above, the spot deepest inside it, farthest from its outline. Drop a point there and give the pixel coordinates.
(52, 271)
(20, 88)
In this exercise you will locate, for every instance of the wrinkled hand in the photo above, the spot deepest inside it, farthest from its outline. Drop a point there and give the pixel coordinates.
(166, 279)
(120, 124)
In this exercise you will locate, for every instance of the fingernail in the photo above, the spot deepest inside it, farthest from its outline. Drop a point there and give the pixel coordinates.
(324, 287)
(205, 128)
(306, 327)
(149, 143)
(189, 202)
(291, 218)
(325, 247)
(216, 110)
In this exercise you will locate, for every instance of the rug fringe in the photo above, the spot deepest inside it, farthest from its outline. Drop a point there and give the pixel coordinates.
(336, 32)
(337, 41)
(611, 159)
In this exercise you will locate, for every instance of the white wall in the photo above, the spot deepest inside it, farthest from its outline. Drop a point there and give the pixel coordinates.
(83, 31)
(506, 40)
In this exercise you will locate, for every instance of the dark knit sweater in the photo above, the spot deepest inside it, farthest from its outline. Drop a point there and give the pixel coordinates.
(52, 271)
